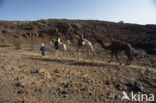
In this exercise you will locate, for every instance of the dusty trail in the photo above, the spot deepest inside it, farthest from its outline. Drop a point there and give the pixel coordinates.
(28, 77)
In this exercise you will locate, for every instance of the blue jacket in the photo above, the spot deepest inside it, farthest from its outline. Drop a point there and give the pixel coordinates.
(42, 48)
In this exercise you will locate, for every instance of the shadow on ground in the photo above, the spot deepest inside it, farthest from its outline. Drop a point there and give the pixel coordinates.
(69, 62)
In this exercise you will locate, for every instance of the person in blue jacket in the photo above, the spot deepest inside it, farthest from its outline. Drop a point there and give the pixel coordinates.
(42, 49)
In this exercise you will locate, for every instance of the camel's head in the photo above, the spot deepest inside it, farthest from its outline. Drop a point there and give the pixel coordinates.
(77, 36)
(51, 43)
(69, 42)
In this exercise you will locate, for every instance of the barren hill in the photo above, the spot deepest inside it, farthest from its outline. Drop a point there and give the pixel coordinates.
(140, 36)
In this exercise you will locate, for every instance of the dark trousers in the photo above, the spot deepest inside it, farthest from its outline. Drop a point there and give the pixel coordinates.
(43, 52)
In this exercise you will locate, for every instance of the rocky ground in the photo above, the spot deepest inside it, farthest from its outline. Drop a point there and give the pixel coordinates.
(28, 77)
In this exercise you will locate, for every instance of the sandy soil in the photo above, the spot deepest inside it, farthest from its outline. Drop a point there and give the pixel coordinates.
(28, 77)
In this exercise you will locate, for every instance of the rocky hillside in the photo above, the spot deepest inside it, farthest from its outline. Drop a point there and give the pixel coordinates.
(140, 36)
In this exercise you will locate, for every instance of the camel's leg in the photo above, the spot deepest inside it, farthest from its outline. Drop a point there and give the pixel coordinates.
(93, 56)
(67, 54)
(76, 56)
(90, 52)
(56, 54)
(116, 56)
(129, 60)
(79, 54)
(63, 55)
(112, 53)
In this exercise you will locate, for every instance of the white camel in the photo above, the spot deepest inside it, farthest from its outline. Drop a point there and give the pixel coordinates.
(57, 44)
(84, 43)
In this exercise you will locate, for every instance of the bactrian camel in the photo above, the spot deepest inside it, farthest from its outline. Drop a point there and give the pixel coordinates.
(118, 46)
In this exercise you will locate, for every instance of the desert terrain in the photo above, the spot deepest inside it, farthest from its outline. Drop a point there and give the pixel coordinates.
(28, 77)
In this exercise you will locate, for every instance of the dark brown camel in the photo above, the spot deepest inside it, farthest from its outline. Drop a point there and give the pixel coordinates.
(117, 46)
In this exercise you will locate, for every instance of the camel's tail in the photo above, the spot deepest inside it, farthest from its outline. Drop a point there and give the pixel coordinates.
(132, 51)
(130, 47)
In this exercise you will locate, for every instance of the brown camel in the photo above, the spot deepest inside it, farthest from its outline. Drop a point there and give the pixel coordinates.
(117, 46)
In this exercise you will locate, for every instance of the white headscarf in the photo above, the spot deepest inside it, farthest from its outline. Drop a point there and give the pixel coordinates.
(42, 44)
